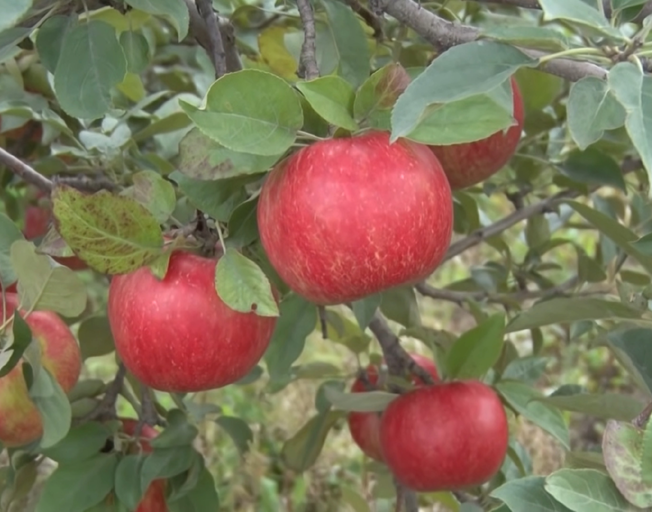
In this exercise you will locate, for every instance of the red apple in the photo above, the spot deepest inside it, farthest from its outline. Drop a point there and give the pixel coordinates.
(470, 163)
(445, 437)
(177, 335)
(20, 422)
(345, 218)
(365, 426)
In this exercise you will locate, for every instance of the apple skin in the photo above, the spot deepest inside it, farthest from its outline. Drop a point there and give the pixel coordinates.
(470, 163)
(20, 421)
(445, 437)
(345, 218)
(365, 426)
(177, 335)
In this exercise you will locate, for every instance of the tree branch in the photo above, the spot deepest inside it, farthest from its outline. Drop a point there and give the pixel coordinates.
(308, 68)
(216, 44)
(444, 35)
(26, 172)
(369, 17)
(499, 298)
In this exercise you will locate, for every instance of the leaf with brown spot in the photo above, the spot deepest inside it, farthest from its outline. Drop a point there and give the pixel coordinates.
(112, 234)
(154, 193)
(202, 158)
(377, 95)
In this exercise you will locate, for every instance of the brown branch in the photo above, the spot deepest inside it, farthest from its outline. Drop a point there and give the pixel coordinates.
(200, 32)
(105, 410)
(443, 35)
(369, 18)
(216, 44)
(498, 298)
(526, 4)
(397, 358)
(308, 68)
(26, 172)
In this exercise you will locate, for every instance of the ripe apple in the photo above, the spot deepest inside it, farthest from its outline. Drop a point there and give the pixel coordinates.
(365, 426)
(177, 335)
(153, 499)
(470, 163)
(20, 422)
(445, 437)
(349, 217)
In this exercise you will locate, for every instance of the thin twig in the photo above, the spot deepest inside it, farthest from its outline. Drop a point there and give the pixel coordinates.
(106, 408)
(26, 172)
(217, 53)
(308, 68)
(369, 17)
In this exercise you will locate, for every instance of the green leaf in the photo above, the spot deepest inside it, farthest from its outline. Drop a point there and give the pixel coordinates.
(78, 486)
(154, 192)
(521, 397)
(95, 337)
(243, 286)
(592, 109)
(352, 498)
(136, 49)
(43, 284)
(580, 12)
(466, 120)
(250, 111)
(593, 166)
(86, 388)
(238, 430)
(634, 92)
(477, 350)
(202, 158)
(621, 449)
(529, 494)
(352, 50)
(458, 73)
(9, 233)
(626, 239)
(22, 337)
(81, 443)
(53, 407)
(175, 11)
(623, 4)
(13, 12)
(365, 309)
(634, 343)
(608, 405)
(400, 305)
(586, 490)
(243, 224)
(178, 432)
(369, 401)
(646, 454)
(113, 234)
(200, 498)
(527, 369)
(300, 452)
(216, 198)
(90, 64)
(332, 98)
(127, 481)
(297, 320)
(565, 310)
(49, 39)
(342, 330)
(527, 36)
(378, 94)
(164, 463)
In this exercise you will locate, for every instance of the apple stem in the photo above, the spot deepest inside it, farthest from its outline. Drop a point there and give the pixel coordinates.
(405, 497)
(148, 414)
(641, 420)
(323, 322)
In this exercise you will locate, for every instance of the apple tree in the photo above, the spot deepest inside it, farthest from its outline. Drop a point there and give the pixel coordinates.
(433, 216)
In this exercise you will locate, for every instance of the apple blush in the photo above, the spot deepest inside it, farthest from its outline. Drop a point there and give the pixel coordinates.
(345, 218)
(176, 334)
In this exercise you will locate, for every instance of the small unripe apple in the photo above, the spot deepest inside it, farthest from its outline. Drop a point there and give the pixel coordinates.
(470, 163)
(445, 437)
(365, 426)
(20, 421)
(177, 334)
(349, 217)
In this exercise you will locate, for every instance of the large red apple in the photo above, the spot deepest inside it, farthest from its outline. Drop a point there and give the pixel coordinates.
(176, 334)
(153, 499)
(20, 421)
(345, 218)
(470, 163)
(445, 437)
(365, 426)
